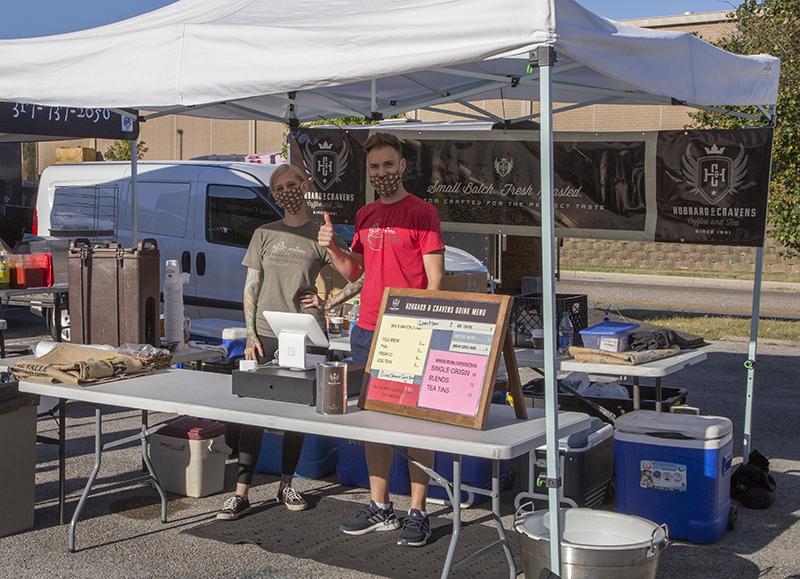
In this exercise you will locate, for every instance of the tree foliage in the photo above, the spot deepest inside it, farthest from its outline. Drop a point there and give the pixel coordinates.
(121, 151)
(773, 27)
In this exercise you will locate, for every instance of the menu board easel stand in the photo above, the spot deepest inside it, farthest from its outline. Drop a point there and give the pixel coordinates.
(435, 355)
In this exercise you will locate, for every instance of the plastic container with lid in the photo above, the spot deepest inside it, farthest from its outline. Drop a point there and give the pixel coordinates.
(608, 336)
(189, 456)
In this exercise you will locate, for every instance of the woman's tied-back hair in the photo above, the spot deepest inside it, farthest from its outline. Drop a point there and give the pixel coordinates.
(283, 169)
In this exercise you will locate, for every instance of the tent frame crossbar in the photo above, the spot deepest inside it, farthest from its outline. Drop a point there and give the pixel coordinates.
(375, 108)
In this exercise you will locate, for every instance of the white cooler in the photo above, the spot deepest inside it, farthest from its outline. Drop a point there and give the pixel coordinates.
(189, 457)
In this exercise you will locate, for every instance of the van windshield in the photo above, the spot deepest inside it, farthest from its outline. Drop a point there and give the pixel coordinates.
(234, 212)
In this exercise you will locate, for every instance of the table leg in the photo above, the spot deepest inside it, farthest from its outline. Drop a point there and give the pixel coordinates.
(62, 460)
(99, 447)
(149, 467)
(637, 395)
(98, 450)
(658, 394)
(455, 499)
(512, 566)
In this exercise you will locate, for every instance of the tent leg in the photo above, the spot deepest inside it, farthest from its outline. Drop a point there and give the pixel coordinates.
(750, 364)
(544, 58)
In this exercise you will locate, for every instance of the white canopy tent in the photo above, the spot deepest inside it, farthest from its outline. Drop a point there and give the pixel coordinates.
(301, 60)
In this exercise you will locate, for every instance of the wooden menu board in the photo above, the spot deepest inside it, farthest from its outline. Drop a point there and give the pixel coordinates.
(435, 356)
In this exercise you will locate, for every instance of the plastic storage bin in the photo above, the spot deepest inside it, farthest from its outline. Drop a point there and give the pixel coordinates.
(675, 469)
(476, 472)
(318, 458)
(608, 336)
(352, 469)
(30, 270)
(189, 457)
(233, 335)
(17, 457)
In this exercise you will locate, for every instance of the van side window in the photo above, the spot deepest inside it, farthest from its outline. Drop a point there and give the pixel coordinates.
(163, 207)
(233, 213)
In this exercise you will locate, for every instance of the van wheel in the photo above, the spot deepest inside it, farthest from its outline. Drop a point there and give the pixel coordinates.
(52, 328)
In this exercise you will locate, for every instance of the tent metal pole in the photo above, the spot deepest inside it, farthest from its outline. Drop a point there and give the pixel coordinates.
(750, 364)
(134, 193)
(545, 58)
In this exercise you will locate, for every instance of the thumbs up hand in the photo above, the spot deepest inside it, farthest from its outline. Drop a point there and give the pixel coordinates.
(325, 235)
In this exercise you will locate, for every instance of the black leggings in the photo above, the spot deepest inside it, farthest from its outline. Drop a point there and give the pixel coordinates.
(251, 436)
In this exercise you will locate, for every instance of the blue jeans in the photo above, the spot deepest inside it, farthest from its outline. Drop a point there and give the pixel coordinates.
(360, 343)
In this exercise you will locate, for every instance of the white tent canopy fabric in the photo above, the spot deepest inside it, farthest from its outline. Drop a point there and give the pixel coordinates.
(242, 59)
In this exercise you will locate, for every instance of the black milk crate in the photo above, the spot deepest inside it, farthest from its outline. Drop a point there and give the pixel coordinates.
(527, 314)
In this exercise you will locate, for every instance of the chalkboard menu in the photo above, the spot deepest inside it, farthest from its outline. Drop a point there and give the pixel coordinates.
(435, 355)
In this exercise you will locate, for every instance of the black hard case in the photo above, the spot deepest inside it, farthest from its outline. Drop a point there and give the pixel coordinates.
(114, 293)
(274, 383)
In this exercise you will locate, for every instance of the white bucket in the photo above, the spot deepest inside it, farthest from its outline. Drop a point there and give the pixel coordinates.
(595, 544)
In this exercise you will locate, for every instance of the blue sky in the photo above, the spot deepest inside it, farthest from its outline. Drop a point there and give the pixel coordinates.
(30, 18)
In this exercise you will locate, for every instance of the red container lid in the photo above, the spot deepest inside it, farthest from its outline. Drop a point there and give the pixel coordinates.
(193, 429)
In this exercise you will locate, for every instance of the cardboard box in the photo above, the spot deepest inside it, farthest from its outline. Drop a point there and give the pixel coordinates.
(466, 281)
(75, 155)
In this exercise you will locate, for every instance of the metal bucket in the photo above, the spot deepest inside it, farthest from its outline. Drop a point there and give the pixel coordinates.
(594, 545)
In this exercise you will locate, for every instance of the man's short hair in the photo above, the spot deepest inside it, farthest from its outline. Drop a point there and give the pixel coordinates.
(378, 140)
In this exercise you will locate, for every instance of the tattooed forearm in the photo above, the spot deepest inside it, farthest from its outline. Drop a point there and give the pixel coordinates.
(252, 288)
(350, 290)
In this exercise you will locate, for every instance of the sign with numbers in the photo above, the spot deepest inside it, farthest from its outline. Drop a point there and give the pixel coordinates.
(435, 355)
(27, 120)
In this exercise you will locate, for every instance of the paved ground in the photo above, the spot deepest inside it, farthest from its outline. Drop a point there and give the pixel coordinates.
(121, 533)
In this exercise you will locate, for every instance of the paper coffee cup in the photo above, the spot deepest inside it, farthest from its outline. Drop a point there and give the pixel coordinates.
(335, 324)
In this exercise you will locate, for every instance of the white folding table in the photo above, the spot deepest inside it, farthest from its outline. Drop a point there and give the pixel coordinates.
(656, 369)
(208, 395)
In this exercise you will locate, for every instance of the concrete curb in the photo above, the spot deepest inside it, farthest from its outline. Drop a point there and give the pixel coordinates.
(647, 279)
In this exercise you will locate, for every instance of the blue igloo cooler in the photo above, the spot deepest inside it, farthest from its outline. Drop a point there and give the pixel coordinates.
(675, 469)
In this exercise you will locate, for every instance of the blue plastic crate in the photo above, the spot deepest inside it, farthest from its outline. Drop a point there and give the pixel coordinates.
(475, 472)
(352, 469)
(317, 460)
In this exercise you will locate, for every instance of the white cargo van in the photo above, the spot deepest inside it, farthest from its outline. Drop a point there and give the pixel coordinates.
(201, 214)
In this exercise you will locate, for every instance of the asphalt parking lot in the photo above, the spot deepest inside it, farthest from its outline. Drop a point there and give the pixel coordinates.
(121, 534)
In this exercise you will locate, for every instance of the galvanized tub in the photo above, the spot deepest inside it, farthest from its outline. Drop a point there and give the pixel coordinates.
(595, 544)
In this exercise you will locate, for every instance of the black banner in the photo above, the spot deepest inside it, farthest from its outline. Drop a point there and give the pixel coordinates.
(335, 161)
(68, 122)
(708, 187)
(713, 186)
(598, 185)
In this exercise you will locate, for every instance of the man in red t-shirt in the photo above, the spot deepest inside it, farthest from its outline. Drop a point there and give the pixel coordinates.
(398, 242)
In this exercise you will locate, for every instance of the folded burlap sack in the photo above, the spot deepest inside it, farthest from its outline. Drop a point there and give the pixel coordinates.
(627, 358)
(78, 366)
